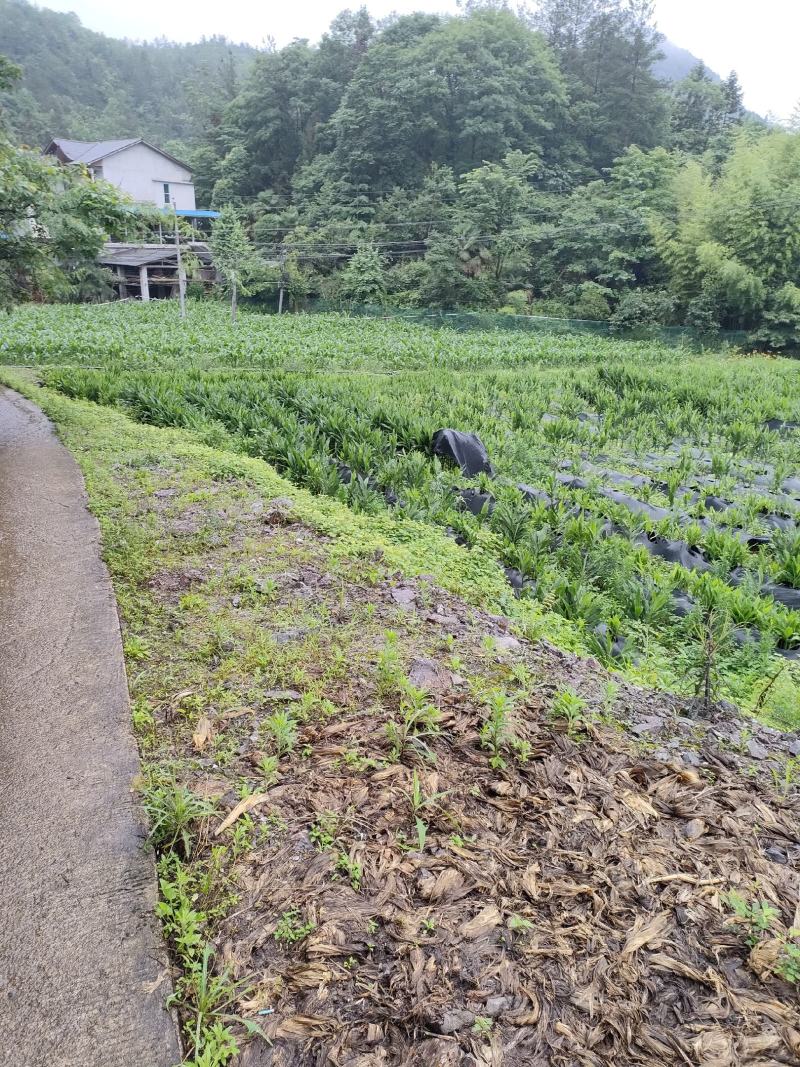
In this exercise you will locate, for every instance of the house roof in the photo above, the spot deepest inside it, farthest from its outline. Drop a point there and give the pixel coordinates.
(129, 255)
(89, 152)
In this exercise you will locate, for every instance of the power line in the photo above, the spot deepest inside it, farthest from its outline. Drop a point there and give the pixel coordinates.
(324, 250)
(790, 201)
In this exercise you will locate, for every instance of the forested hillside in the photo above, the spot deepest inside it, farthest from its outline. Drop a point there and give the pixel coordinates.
(81, 84)
(533, 162)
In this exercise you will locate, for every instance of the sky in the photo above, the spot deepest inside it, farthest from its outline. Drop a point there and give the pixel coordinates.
(758, 40)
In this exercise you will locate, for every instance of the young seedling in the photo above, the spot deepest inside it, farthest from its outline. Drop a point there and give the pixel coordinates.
(173, 812)
(419, 803)
(610, 694)
(390, 669)
(282, 727)
(353, 871)
(518, 924)
(712, 629)
(497, 732)
(756, 916)
(482, 1026)
(208, 999)
(417, 719)
(268, 768)
(570, 707)
(291, 929)
(323, 832)
(789, 775)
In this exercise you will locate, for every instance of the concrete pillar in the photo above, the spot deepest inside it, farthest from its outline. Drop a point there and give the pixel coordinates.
(144, 284)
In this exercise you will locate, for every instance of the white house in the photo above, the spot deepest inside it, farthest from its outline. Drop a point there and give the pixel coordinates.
(146, 173)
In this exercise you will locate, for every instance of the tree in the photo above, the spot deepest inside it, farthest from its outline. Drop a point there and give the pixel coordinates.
(445, 278)
(496, 202)
(732, 96)
(606, 49)
(85, 85)
(10, 74)
(279, 119)
(699, 111)
(238, 263)
(53, 222)
(451, 92)
(364, 279)
(603, 231)
(731, 240)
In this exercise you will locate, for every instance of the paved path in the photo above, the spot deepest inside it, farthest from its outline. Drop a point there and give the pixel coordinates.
(80, 950)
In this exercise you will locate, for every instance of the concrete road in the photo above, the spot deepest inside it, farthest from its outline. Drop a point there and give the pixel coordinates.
(83, 972)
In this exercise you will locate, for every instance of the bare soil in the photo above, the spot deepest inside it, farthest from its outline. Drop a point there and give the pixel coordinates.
(569, 909)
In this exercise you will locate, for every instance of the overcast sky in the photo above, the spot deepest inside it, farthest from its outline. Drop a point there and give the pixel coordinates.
(757, 38)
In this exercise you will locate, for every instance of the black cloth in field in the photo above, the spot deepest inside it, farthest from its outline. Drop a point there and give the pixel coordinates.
(673, 552)
(466, 450)
(781, 425)
(475, 501)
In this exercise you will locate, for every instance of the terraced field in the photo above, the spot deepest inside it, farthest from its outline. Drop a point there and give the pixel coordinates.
(642, 501)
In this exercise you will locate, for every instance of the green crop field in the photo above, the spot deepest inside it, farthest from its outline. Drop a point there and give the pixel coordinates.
(644, 499)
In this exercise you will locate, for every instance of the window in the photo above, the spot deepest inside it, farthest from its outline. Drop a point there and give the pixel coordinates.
(97, 171)
(166, 193)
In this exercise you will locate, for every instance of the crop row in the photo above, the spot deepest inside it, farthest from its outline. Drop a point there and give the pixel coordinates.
(626, 568)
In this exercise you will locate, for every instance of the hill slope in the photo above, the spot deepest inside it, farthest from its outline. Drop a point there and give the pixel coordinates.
(677, 62)
(82, 84)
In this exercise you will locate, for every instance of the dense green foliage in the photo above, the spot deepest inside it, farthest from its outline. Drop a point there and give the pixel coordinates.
(532, 162)
(623, 457)
(53, 223)
(81, 84)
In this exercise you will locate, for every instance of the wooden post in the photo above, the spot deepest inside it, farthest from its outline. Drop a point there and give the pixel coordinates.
(181, 275)
(123, 288)
(144, 284)
(280, 291)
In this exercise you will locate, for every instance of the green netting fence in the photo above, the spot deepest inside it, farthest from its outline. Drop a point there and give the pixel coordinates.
(492, 320)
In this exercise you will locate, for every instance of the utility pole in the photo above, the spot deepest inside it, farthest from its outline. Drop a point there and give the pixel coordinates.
(283, 276)
(181, 275)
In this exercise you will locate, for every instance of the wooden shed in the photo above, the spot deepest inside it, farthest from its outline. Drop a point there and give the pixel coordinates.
(150, 271)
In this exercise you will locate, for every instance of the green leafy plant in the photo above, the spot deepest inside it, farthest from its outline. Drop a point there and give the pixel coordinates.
(208, 999)
(323, 832)
(417, 720)
(174, 812)
(497, 732)
(290, 928)
(758, 918)
(756, 915)
(518, 924)
(482, 1026)
(352, 870)
(268, 769)
(389, 666)
(281, 727)
(570, 708)
(712, 631)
